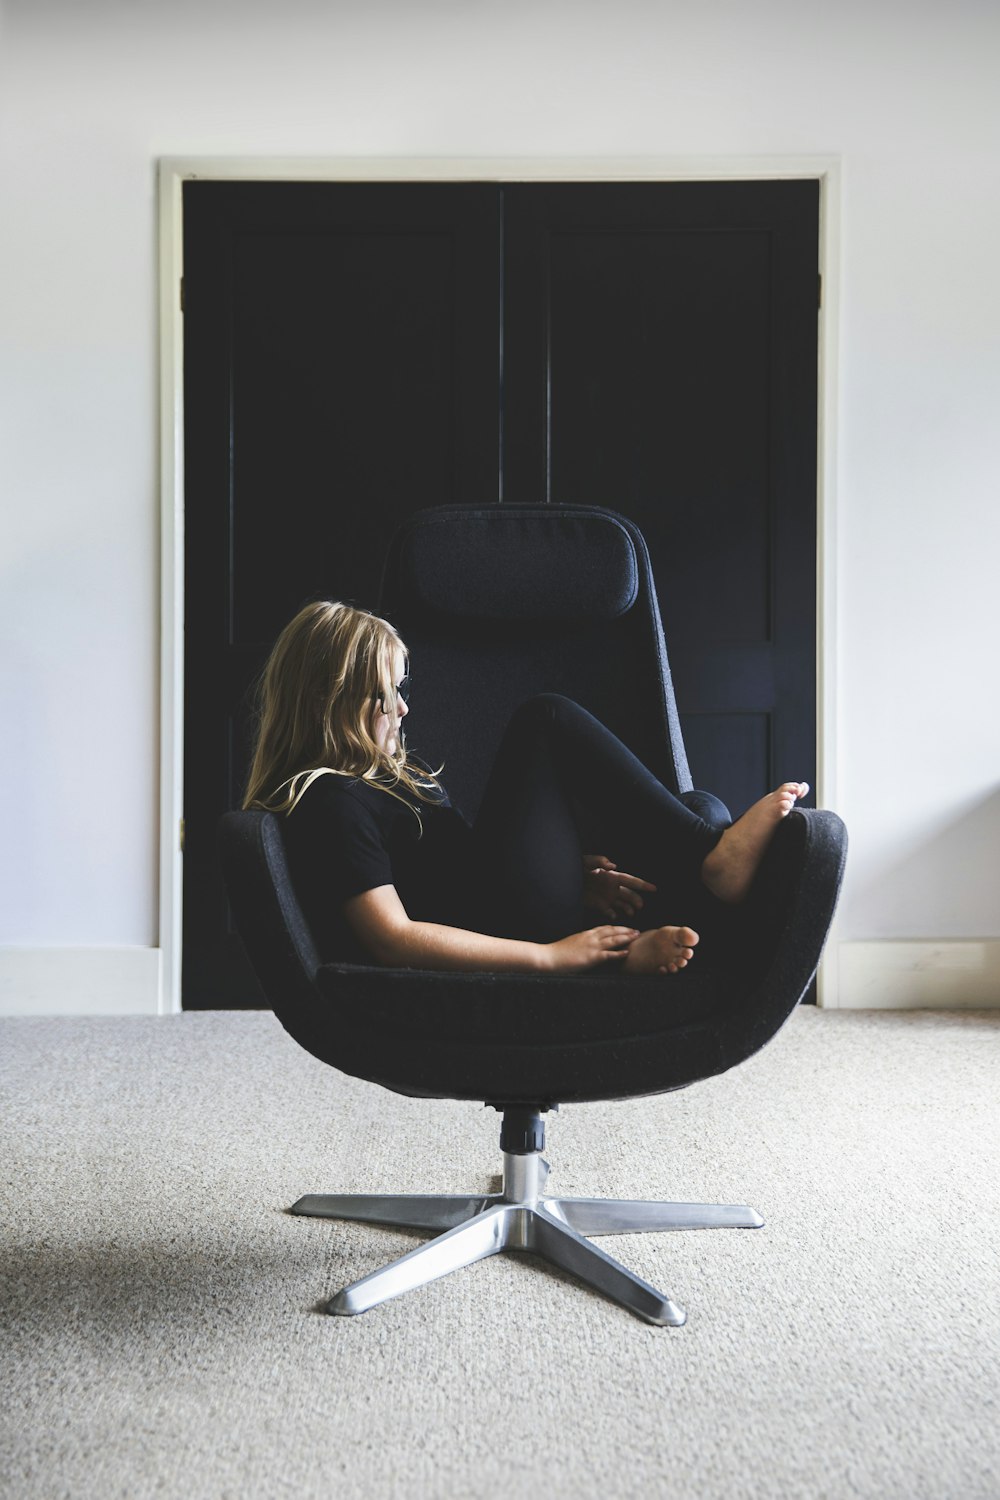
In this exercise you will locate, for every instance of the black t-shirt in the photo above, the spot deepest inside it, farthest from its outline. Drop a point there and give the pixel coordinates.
(345, 836)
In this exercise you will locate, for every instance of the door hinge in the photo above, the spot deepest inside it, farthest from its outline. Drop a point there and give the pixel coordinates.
(819, 291)
(182, 836)
(182, 294)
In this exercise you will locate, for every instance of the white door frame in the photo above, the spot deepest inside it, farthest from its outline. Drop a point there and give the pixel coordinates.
(174, 171)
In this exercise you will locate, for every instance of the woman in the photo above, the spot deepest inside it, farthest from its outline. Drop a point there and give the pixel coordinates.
(387, 869)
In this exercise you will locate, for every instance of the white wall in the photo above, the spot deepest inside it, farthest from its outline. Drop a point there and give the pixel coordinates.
(91, 94)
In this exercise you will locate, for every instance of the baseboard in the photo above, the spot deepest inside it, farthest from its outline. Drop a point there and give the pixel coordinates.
(79, 981)
(942, 974)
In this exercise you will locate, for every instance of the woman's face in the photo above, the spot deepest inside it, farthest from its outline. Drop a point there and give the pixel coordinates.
(384, 735)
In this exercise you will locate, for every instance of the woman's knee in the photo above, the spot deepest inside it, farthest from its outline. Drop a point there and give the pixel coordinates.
(542, 705)
(538, 714)
(549, 709)
(710, 809)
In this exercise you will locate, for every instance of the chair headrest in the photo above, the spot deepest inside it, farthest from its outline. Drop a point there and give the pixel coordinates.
(506, 562)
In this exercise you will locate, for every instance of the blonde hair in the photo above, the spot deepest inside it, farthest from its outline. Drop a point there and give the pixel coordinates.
(316, 704)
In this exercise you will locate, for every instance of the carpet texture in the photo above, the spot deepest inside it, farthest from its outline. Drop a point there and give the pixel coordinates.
(161, 1332)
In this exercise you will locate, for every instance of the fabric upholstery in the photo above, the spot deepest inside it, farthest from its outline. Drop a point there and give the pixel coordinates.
(506, 564)
(469, 671)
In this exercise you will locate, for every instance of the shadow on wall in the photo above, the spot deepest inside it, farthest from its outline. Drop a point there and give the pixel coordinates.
(948, 885)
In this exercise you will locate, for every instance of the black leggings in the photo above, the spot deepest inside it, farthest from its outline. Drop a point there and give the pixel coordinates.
(561, 777)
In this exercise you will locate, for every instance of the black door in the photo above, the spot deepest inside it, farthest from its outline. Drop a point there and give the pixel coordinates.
(357, 351)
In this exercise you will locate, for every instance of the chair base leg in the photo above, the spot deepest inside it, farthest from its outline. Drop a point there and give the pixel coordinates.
(478, 1237)
(635, 1216)
(404, 1210)
(521, 1217)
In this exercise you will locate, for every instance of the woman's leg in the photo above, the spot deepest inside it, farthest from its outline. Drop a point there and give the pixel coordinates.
(527, 839)
(559, 769)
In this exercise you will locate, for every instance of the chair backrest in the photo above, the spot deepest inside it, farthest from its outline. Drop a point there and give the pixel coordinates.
(497, 603)
(268, 916)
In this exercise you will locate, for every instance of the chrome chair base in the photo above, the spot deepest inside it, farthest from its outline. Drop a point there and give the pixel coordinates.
(520, 1217)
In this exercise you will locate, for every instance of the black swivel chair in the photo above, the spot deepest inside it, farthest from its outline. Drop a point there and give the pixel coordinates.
(496, 604)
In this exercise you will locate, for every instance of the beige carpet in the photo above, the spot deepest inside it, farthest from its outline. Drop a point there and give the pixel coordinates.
(161, 1334)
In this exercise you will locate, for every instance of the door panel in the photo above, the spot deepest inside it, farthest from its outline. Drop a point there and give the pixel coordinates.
(342, 368)
(660, 358)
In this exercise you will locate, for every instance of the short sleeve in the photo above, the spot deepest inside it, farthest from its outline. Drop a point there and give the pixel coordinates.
(340, 841)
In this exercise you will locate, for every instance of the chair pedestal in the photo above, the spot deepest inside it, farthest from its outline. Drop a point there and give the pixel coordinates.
(520, 1217)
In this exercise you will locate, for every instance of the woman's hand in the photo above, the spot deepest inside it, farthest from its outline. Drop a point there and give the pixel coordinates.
(609, 891)
(584, 950)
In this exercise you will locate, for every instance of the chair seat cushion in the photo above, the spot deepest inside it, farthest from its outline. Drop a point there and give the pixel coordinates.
(519, 1037)
(520, 1009)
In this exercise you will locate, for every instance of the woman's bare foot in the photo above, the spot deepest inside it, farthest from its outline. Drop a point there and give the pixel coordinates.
(730, 868)
(664, 950)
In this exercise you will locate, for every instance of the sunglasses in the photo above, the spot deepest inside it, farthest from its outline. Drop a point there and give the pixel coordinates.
(402, 691)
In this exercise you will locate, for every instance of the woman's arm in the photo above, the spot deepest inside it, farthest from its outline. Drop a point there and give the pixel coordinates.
(378, 920)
